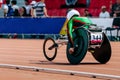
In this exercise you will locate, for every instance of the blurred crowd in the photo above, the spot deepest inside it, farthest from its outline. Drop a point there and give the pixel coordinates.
(38, 9)
(33, 9)
(104, 13)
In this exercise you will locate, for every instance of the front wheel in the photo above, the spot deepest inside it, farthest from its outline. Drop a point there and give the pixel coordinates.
(81, 41)
(49, 50)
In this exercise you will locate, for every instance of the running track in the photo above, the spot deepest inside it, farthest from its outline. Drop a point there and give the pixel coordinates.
(29, 53)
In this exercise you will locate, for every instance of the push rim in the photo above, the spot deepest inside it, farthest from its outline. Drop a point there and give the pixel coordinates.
(81, 40)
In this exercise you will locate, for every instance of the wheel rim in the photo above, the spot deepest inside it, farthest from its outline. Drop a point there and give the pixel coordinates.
(82, 39)
(49, 54)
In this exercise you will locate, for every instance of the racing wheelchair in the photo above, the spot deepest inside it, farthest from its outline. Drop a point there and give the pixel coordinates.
(92, 39)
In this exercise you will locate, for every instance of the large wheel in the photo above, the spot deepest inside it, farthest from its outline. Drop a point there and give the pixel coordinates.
(80, 38)
(49, 54)
(103, 54)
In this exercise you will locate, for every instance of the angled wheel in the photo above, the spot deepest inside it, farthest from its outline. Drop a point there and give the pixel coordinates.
(49, 50)
(103, 54)
(80, 38)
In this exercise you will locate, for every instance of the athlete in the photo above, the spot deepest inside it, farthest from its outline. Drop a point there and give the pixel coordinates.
(74, 21)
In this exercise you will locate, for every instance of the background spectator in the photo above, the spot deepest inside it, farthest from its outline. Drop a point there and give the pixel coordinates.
(104, 13)
(23, 12)
(87, 13)
(5, 7)
(27, 7)
(40, 9)
(116, 23)
(115, 11)
(31, 7)
(1, 2)
(15, 8)
(87, 3)
(70, 2)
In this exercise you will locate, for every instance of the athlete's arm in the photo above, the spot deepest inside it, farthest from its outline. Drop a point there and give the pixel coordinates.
(45, 11)
(69, 32)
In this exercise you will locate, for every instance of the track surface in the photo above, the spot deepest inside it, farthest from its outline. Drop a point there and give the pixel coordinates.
(29, 53)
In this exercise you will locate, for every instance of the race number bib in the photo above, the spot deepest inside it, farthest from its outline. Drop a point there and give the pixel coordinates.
(96, 36)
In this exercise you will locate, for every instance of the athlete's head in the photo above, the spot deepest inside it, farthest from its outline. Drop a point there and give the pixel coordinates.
(72, 13)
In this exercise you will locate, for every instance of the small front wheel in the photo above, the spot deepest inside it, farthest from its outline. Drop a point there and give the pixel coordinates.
(49, 50)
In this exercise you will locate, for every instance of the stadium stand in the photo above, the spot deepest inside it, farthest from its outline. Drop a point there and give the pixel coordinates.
(57, 7)
(95, 6)
(81, 1)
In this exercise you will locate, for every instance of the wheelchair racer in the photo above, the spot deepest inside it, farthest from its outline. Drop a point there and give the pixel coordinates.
(74, 21)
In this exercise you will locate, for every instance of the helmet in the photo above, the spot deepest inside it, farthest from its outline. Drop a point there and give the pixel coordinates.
(71, 13)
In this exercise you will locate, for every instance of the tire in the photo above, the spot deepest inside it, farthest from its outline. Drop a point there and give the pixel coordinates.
(81, 42)
(103, 54)
(49, 54)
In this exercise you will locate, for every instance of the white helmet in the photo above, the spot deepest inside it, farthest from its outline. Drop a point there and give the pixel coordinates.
(71, 13)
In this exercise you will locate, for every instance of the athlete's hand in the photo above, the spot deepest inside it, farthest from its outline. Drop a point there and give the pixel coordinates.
(71, 50)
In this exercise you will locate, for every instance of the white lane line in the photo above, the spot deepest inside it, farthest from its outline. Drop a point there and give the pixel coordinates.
(20, 49)
(110, 69)
(58, 71)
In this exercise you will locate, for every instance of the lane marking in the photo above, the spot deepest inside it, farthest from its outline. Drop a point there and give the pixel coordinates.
(59, 71)
(20, 49)
(112, 69)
